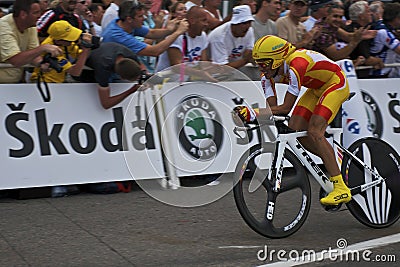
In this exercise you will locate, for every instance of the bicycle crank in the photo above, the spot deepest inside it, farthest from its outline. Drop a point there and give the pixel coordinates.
(329, 208)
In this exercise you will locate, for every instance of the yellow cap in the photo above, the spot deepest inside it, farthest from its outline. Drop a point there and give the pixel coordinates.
(62, 30)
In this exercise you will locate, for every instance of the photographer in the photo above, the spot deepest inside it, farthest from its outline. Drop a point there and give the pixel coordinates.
(111, 61)
(75, 46)
(19, 43)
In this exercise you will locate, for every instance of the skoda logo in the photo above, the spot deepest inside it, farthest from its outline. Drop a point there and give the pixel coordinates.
(199, 128)
(375, 122)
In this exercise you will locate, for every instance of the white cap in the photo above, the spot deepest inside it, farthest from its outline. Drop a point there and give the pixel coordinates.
(241, 14)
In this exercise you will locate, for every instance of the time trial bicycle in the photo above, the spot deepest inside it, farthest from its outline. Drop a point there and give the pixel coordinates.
(272, 190)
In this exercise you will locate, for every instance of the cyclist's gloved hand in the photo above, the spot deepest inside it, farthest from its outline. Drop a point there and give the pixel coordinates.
(247, 115)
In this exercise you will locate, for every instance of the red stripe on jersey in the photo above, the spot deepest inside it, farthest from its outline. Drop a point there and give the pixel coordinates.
(303, 112)
(326, 66)
(323, 111)
(299, 65)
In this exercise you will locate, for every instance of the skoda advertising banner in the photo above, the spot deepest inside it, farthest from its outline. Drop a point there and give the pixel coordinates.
(199, 124)
(354, 114)
(72, 139)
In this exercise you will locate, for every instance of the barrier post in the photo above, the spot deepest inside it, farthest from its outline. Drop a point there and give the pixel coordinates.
(172, 179)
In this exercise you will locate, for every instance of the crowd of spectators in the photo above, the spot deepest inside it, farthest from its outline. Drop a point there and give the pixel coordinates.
(141, 37)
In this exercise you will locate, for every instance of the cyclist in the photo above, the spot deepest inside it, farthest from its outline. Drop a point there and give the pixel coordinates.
(279, 61)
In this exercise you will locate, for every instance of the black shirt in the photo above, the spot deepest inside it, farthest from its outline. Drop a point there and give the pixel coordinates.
(54, 15)
(102, 61)
(362, 49)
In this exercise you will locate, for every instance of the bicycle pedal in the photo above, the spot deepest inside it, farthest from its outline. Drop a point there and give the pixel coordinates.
(332, 208)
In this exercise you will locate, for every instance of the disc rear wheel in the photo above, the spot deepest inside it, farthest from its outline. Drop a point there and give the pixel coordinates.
(377, 206)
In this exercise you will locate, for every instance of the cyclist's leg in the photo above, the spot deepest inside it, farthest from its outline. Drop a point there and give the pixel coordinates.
(300, 118)
(319, 113)
(334, 94)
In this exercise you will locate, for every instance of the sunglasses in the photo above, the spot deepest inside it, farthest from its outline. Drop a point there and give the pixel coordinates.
(75, 2)
(264, 63)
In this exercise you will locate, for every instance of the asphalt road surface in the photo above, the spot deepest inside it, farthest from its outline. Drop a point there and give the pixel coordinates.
(133, 229)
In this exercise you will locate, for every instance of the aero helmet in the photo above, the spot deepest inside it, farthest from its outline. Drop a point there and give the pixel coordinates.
(272, 48)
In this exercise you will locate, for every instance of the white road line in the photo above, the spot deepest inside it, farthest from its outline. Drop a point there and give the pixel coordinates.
(240, 247)
(373, 243)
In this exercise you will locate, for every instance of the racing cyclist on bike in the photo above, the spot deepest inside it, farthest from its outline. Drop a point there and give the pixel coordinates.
(280, 62)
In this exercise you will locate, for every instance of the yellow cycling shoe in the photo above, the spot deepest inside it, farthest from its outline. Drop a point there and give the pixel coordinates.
(340, 194)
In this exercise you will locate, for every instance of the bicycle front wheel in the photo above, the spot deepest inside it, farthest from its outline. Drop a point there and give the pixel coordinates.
(378, 206)
(271, 214)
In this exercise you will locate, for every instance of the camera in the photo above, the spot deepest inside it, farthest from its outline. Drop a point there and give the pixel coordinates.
(144, 77)
(94, 43)
(53, 62)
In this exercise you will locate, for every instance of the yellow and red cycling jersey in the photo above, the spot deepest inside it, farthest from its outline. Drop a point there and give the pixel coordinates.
(326, 82)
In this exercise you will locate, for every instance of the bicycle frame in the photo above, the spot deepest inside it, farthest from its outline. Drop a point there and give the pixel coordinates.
(291, 140)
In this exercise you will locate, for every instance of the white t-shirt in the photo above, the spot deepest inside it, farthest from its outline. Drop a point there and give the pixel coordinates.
(226, 48)
(383, 46)
(194, 46)
(110, 14)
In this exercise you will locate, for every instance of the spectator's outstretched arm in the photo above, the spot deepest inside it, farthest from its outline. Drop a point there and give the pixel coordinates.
(247, 58)
(108, 101)
(157, 49)
(172, 26)
(77, 68)
(376, 62)
(33, 56)
(333, 53)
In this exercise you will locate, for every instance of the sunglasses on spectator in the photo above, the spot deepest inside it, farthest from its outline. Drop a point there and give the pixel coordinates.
(263, 63)
(75, 2)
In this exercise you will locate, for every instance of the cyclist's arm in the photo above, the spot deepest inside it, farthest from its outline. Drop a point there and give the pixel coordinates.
(286, 106)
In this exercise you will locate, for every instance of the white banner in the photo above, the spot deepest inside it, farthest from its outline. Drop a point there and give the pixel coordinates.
(382, 102)
(71, 139)
(354, 117)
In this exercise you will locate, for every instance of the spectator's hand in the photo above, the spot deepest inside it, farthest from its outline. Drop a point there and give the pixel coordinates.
(360, 60)
(159, 18)
(379, 64)
(87, 37)
(172, 25)
(52, 49)
(89, 16)
(247, 55)
(367, 34)
(86, 41)
(357, 36)
(309, 37)
(183, 26)
(45, 67)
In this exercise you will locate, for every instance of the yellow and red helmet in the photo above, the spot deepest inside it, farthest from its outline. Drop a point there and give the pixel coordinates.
(273, 50)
